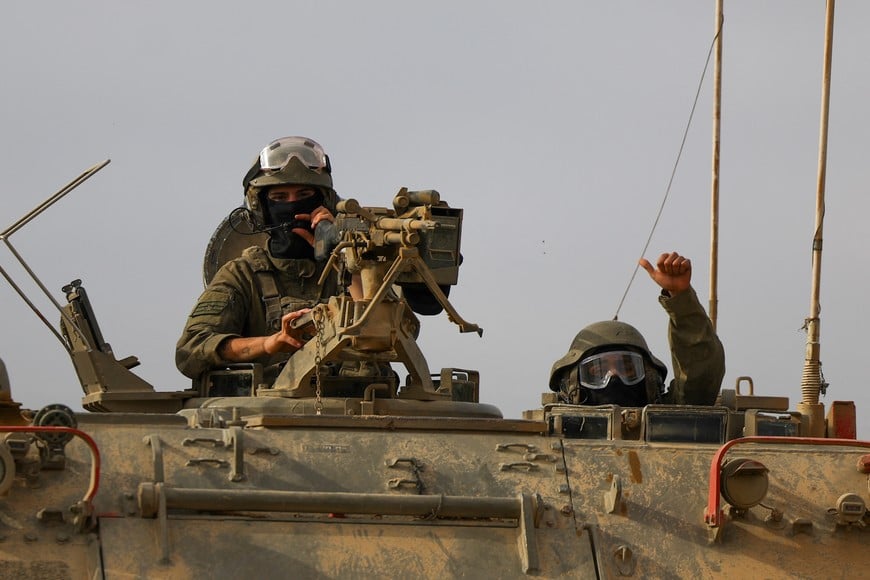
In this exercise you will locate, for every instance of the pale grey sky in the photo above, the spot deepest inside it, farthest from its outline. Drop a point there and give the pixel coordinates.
(555, 125)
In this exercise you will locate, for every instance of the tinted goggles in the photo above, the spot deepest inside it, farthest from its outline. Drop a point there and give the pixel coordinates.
(595, 371)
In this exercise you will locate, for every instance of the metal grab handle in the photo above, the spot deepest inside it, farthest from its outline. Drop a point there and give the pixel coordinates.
(328, 502)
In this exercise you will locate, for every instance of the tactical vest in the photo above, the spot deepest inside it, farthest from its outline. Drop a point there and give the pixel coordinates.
(277, 301)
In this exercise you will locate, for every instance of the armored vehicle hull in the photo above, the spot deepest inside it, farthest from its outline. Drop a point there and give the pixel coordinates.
(219, 494)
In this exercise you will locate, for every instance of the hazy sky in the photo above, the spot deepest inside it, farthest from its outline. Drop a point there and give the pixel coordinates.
(555, 125)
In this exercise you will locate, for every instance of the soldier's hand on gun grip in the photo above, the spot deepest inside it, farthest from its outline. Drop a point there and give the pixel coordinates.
(288, 339)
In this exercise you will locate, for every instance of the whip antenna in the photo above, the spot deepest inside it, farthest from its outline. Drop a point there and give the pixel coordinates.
(673, 171)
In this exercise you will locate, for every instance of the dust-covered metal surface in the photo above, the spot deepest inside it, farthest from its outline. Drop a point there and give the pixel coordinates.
(648, 500)
(367, 500)
(199, 502)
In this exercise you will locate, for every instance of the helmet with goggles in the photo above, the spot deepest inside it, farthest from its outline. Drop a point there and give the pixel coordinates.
(605, 349)
(288, 161)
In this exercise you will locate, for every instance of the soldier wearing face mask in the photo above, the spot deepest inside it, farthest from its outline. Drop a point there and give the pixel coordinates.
(244, 314)
(609, 362)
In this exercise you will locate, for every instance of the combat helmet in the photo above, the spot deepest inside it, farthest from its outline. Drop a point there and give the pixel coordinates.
(288, 161)
(604, 335)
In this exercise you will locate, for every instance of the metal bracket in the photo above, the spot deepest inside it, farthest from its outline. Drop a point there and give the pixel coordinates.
(518, 466)
(266, 450)
(233, 437)
(526, 537)
(156, 456)
(162, 522)
(196, 440)
(612, 497)
(509, 446)
(415, 466)
(207, 461)
(236, 439)
(539, 457)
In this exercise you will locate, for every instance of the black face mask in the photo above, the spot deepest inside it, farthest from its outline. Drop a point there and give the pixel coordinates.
(615, 393)
(283, 243)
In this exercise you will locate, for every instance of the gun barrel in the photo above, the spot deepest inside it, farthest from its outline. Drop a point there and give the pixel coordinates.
(402, 238)
(404, 224)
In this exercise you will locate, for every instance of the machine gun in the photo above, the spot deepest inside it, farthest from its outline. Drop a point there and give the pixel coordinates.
(413, 245)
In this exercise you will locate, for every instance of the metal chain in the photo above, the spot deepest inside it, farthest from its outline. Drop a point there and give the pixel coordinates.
(317, 315)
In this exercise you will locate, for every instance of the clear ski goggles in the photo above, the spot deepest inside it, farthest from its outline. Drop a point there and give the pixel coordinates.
(277, 154)
(595, 371)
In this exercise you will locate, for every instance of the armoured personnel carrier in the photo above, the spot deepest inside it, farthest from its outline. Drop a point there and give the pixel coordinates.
(324, 474)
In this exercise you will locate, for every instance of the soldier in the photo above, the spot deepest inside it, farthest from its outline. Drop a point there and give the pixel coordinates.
(244, 314)
(609, 362)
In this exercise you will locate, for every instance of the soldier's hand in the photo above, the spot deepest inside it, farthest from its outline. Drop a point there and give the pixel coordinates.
(315, 217)
(672, 272)
(288, 339)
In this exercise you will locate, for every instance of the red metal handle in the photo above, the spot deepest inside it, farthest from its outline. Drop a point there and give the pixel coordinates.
(95, 452)
(713, 513)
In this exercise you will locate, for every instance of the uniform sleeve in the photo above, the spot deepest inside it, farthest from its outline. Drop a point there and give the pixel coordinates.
(697, 353)
(219, 313)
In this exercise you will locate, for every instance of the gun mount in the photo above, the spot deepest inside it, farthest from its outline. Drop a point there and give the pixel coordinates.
(415, 244)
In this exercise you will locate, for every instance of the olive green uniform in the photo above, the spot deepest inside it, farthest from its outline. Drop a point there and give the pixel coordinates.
(696, 352)
(247, 297)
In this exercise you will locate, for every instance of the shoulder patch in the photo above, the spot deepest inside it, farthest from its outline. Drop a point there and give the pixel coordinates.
(209, 308)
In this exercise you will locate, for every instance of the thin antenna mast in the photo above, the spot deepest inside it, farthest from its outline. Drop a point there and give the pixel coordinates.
(811, 382)
(713, 309)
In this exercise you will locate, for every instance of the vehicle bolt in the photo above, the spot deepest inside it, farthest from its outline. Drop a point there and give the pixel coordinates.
(62, 538)
(30, 538)
(774, 517)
